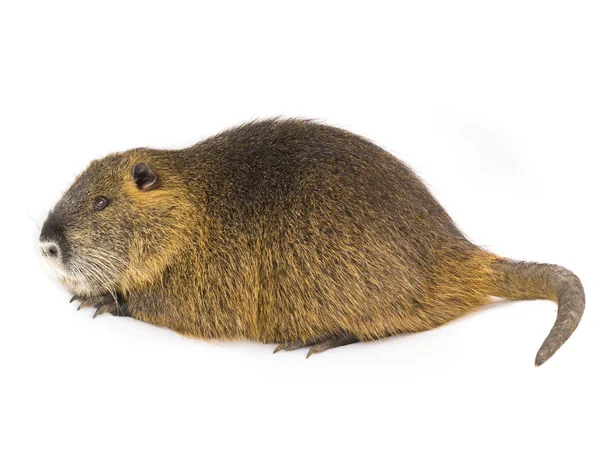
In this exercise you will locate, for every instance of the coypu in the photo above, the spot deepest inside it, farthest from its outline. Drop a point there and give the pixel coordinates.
(281, 231)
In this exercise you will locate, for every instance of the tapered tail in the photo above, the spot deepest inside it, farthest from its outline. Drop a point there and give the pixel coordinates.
(528, 280)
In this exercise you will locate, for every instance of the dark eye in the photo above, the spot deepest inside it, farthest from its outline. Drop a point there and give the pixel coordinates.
(100, 203)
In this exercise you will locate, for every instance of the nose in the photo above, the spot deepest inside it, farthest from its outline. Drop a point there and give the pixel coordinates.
(52, 239)
(50, 250)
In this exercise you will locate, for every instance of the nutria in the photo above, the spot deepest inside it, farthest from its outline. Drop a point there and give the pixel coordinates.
(281, 231)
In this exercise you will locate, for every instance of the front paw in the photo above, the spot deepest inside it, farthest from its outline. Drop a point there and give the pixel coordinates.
(103, 304)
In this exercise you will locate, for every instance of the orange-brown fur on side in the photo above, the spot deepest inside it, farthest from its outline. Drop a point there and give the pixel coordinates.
(277, 231)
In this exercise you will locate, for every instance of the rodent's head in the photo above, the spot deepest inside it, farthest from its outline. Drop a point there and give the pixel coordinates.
(119, 219)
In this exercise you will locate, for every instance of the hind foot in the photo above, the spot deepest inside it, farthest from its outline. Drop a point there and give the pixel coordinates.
(291, 345)
(103, 304)
(318, 345)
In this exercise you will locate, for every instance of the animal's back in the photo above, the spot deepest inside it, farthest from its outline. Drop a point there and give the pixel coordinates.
(316, 231)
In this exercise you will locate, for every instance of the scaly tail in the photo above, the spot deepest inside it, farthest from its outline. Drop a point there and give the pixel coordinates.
(528, 280)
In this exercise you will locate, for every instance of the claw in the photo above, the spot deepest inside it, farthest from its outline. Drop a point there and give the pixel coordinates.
(282, 347)
(74, 298)
(99, 311)
(312, 351)
(324, 345)
(83, 304)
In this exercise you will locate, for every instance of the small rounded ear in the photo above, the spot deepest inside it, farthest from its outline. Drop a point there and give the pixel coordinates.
(143, 176)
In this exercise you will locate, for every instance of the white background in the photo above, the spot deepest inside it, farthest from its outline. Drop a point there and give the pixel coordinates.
(496, 106)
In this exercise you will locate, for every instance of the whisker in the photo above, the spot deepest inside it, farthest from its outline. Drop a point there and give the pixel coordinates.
(34, 222)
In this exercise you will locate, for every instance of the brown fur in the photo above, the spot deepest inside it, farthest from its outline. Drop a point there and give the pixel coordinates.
(278, 231)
